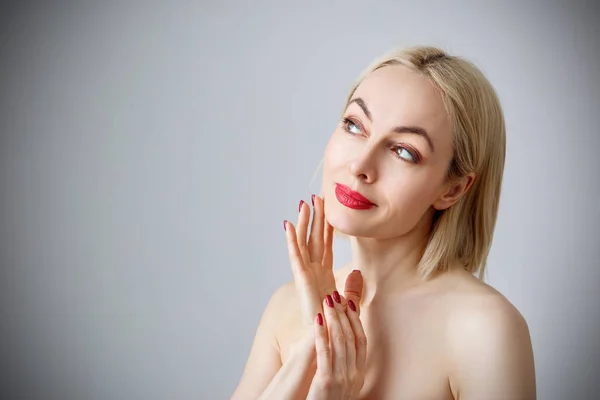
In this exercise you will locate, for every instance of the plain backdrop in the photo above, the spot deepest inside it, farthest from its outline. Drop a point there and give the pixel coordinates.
(150, 151)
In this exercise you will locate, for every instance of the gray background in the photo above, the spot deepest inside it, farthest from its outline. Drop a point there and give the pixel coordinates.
(150, 152)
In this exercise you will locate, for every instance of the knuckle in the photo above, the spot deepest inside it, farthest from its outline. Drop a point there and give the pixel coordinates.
(339, 339)
(361, 340)
(350, 339)
(325, 350)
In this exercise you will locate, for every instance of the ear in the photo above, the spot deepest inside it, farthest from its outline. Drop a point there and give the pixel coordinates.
(453, 191)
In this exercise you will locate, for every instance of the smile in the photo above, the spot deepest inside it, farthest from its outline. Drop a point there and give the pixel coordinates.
(352, 199)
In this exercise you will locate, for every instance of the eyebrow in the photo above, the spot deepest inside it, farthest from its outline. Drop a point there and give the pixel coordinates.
(399, 129)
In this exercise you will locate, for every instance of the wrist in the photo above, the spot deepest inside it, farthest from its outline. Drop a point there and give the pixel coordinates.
(293, 379)
(303, 349)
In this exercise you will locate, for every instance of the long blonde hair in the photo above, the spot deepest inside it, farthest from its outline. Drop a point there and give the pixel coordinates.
(464, 232)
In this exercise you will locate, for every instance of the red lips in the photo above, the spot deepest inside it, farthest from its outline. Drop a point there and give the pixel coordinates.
(351, 198)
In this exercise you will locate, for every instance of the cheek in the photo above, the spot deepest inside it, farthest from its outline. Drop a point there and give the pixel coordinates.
(413, 194)
(408, 203)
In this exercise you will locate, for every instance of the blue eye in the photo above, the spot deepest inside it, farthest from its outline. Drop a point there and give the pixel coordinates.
(406, 155)
(403, 153)
(351, 127)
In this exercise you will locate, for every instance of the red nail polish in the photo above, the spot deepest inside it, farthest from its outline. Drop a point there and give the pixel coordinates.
(284, 225)
(351, 305)
(320, 319)
(336, 297)
(329, 301)
(312, 198)
(300, 205)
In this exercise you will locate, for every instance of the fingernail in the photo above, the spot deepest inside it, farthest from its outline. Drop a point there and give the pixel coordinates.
(357, 271)
(300, 205)
(285, 225)
(329, 301)
(320, 319)
(351, 305)
(336, 297)
(312, 198)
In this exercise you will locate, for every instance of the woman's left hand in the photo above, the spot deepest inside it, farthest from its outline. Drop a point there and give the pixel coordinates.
(341, 349)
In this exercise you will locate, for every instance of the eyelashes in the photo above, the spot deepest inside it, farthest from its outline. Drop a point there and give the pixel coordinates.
(403, 150)
(353, 128)
(347, 122)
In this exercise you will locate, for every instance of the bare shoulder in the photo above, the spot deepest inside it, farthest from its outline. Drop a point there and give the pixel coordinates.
(277, 311)
(281, 303)
(490, 351)
(475, 305)
(264, 359)
(285, 296)
(284, 292)
(286, 310)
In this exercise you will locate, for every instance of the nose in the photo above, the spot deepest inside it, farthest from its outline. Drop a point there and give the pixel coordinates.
(363, 167)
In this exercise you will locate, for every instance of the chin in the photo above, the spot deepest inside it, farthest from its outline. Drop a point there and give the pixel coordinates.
(342, 220)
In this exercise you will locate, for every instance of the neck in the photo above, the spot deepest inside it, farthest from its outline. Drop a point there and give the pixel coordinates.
(388, 265)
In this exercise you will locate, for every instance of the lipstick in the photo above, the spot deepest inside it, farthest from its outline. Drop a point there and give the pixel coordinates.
(351, 198)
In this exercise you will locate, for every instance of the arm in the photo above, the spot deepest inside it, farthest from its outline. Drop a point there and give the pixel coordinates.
(312, 265)
(293, 380)
(492, 354)
(264, 360)
(264, 377)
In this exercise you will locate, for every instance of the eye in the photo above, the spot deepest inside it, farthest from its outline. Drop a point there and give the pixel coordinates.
(406, 155)
(351, 127)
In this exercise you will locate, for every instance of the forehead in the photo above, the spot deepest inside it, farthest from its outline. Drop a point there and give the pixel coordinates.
(396, 95)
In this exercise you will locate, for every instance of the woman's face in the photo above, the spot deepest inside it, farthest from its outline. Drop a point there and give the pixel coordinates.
(393, 146)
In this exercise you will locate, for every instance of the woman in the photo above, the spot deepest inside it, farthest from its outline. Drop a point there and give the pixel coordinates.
(412, 176)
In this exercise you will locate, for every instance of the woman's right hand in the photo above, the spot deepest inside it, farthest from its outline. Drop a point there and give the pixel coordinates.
(312, 259)
(341, 347)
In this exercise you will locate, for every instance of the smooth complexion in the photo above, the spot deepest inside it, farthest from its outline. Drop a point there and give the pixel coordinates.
(448, 337)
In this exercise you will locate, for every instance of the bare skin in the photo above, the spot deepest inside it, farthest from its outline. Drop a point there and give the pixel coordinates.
(448, 337)
(428, 341)
(416, 335)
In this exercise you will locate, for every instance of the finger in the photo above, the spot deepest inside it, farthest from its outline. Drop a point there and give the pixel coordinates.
(303, 280)
(296, 261)
(360, 338)
(340, 306)
(315, 241)
(354, 288)
(322, 348)
(327, 244)
(303, 217)
(337, 340)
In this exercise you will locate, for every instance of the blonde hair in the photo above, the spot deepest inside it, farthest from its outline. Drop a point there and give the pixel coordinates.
(462, 233)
